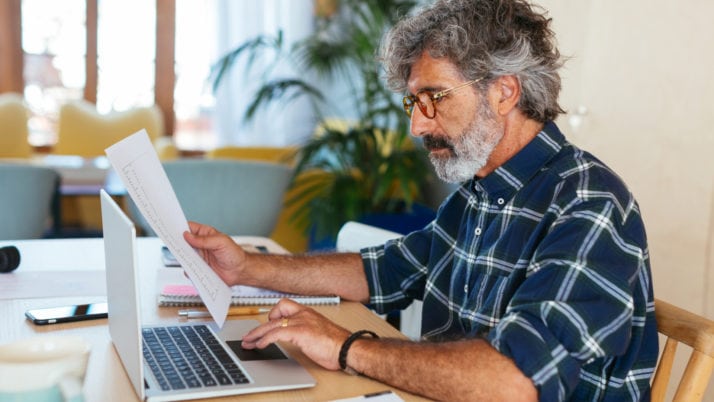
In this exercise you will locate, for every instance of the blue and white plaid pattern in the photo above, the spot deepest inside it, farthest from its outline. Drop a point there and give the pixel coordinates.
(547, 258)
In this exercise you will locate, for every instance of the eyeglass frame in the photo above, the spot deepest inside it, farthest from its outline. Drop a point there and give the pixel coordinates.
(434, 98)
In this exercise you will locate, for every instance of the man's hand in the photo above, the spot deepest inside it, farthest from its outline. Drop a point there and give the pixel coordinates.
(316, 336)
(218, 250)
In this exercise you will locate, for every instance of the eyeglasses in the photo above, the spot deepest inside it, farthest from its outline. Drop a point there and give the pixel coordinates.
(427, 101)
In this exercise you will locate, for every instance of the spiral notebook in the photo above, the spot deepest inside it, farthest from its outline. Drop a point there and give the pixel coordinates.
(186, 295)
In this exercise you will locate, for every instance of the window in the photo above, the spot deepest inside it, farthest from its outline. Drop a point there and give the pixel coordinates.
(109, 52)
(194, 102)
(53, 42)
(126, 49)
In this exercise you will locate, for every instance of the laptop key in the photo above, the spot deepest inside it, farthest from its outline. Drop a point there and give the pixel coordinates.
(208, 380)
(189, 356)
(223, 379)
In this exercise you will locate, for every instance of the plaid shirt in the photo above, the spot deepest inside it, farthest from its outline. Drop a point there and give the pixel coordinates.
(546, 258)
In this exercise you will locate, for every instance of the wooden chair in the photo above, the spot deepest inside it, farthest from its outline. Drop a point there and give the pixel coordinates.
(682, 326)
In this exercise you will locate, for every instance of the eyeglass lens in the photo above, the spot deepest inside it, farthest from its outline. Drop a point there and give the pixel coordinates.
(425, 103)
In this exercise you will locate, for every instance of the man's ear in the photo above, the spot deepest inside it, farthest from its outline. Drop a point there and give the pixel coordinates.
(508, 91)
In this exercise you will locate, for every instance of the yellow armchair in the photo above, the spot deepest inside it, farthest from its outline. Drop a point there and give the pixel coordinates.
(13, 127)
(83, 131)
(268, 154)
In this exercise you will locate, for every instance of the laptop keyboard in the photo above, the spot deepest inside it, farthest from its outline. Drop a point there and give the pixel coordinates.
(189, 357)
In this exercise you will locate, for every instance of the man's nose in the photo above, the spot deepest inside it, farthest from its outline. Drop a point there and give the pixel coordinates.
(420, 124)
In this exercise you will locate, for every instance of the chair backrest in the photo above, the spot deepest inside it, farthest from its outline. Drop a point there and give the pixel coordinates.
(354, 236)
(287, 233)
(236, 197)
(27, 194)
(13, 127)
(259, 153)
(83, 131)
(681, 326)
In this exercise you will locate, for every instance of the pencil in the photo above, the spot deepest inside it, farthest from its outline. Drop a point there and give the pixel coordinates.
(235, 310)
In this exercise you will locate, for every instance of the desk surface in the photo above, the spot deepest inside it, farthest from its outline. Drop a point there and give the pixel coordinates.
(75, 266)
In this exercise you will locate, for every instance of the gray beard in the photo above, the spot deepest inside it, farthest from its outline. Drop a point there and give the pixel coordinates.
(471, 150)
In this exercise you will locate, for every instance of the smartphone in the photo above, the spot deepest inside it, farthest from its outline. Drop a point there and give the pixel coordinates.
(168, 258)
(170, 261)
(77, 312)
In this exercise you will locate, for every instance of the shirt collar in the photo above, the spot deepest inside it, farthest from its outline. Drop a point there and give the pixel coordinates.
(512, 175)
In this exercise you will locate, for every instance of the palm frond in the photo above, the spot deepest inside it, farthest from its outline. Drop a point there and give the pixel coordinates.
(252, 47)
(284, 90)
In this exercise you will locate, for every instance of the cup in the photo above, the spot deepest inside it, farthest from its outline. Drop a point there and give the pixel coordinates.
(43, 368)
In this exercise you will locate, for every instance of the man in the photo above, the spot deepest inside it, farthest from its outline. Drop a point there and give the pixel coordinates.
(535, 273)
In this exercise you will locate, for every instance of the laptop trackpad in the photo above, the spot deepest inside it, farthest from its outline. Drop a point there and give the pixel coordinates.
(272, 352)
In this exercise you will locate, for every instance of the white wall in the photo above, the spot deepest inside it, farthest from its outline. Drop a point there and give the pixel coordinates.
(643, 70)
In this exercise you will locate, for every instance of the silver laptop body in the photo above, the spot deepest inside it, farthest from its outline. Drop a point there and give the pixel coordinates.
(268, 370)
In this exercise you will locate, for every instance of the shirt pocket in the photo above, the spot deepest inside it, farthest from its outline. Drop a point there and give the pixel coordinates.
(484, 294)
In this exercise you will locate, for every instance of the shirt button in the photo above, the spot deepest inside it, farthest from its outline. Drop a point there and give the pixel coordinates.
(477, 232)
(466, 288)
(500, 201)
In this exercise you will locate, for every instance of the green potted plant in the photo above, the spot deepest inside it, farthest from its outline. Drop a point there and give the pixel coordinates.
(371, 165)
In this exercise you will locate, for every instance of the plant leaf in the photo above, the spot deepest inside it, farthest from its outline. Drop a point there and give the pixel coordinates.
(284, 90)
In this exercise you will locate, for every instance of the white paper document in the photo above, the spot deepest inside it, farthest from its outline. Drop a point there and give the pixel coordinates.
(135, 161)
(385, 396)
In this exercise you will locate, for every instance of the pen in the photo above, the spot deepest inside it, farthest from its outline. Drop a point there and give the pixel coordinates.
(377, 394)
(241, 310)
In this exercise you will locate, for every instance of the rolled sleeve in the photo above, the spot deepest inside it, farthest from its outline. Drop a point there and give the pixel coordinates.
(396, 271)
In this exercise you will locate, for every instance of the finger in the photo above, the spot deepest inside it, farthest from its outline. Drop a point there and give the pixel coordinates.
(285, 308)
(190, 238)
(199, 228)
(207, 241)
(275, 335)
(194, 226)
(198, 243)
(279, 317)
(253, 336)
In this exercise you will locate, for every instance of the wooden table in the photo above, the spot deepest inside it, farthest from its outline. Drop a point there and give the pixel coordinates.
(69, 271)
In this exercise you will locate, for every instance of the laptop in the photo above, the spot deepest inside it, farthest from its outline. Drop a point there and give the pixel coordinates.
(153, 355)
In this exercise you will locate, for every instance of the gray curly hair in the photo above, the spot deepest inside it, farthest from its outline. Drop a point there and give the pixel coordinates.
(483, 38)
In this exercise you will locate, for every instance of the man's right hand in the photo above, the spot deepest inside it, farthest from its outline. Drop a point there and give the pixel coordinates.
(221, 253)
(315, 335)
